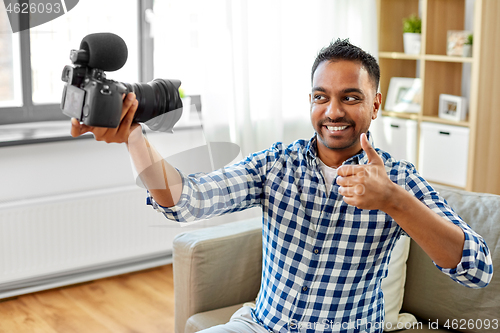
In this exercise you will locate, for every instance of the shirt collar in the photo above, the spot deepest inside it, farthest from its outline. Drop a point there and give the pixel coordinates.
(360, 158)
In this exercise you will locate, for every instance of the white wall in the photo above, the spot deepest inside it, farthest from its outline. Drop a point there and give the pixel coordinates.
(45, 169)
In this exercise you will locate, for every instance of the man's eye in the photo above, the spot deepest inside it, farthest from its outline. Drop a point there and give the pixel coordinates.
(350, 98)
(318, 97)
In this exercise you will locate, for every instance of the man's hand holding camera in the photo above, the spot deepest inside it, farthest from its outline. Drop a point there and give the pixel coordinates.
(119, 134)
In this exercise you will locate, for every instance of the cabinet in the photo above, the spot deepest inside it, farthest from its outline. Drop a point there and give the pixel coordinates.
(443, 153)
(442, 74)
(397, 136)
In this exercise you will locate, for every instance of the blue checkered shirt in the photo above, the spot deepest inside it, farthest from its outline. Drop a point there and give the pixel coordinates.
(323, 260)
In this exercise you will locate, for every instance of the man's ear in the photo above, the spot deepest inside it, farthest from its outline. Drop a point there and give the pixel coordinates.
(377, 104)
(310, 100)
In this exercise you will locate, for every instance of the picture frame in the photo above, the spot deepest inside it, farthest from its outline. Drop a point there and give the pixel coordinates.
(455, 42)
(452, 107)
(404, 95)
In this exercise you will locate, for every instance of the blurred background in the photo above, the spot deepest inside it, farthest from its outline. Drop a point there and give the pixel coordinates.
(70, 209)
(249, 61)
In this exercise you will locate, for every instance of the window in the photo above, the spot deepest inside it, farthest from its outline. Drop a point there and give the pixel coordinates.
(10, 66)
(31, 61)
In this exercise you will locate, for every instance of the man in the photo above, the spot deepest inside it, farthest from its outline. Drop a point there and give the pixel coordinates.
(333, 207)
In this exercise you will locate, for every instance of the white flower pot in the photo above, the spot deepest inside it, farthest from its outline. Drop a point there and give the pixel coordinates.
(467, 50)
(411, 42)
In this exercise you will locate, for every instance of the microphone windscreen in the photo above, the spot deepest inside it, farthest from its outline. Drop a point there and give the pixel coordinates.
(106, 51)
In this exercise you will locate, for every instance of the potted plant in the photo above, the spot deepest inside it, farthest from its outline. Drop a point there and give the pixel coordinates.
(412, 29)
(186, 107)
(467, 49)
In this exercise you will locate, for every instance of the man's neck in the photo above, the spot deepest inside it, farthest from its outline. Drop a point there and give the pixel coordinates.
(335, 157)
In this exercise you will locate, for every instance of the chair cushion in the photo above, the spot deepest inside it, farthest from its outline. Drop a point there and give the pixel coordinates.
(393, 287)
(211, 318)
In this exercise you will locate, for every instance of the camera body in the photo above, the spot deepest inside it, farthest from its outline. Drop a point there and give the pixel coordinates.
(92, 99)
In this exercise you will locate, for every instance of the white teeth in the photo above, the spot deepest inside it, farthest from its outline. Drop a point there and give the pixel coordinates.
(334, 128)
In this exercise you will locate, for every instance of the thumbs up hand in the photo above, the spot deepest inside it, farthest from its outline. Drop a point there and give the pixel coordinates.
(366, 186)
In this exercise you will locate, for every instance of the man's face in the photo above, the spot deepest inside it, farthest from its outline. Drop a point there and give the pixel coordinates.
(343, 103)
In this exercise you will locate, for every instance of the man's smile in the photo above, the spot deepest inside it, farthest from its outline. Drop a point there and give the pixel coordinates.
(336, 129)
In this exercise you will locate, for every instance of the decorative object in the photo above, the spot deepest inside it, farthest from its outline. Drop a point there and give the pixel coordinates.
(452, 107)
(404, 95)
(455, 42)
(467, 50)
(412, 29)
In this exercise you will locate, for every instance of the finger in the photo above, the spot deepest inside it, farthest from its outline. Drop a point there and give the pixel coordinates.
(373, 157)
(127, 103)
(75, 127)
(350, 170)
(78, 129)
(348, 181)
(126, 125)
(351, 191)
(351, 201)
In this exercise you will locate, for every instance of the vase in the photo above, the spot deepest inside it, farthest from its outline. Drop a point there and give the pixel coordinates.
(411, 42)
(467, 50)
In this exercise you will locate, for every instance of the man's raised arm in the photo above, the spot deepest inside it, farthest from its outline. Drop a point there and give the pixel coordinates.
(160, 178)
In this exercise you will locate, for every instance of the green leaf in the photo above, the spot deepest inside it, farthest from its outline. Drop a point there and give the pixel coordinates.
(181, 93)
(412, 24)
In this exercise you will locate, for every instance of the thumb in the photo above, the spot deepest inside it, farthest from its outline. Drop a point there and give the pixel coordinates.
(373, 157)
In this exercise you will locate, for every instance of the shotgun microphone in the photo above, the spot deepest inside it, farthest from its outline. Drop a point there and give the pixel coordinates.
(105, 51)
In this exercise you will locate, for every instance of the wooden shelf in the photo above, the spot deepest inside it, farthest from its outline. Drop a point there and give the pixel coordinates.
(444, 58)
(442, 74)
(445, 121)
(428, 57)
(399, 55)
(432, 119)
(403, 115)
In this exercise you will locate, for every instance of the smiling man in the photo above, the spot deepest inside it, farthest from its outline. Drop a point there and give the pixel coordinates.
(344, 100)
(333, 208)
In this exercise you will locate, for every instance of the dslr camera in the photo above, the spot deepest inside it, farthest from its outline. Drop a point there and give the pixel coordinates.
(97, 101)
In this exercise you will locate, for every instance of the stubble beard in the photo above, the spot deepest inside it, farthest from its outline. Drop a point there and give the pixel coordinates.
(337, 145)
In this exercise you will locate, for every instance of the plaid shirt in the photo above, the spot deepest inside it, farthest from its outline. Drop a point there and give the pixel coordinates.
(323, 260)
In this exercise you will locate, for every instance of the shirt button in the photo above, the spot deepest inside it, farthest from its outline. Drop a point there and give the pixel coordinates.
(304, 288)
(316, 251)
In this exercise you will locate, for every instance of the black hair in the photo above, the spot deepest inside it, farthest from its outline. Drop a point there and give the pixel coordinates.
(342, 49)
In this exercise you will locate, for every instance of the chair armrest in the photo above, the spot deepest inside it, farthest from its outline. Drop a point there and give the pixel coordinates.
(216, 267)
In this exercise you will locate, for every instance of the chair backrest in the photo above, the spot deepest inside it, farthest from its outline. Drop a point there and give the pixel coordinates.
(431, 295)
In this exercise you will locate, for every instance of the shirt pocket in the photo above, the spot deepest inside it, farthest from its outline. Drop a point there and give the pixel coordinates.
(360, 236)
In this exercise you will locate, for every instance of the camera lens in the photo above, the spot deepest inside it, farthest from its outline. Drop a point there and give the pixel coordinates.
(156, 98)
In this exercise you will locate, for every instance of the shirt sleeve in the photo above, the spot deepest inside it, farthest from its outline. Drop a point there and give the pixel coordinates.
(475, 269)
(230, 189)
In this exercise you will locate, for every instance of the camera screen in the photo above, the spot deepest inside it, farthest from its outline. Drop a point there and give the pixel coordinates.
(73, 99)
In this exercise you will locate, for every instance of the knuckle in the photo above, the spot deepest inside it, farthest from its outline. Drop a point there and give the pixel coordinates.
(359, 189)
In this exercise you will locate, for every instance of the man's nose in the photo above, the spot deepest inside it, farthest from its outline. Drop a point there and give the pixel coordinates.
(334, 110)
